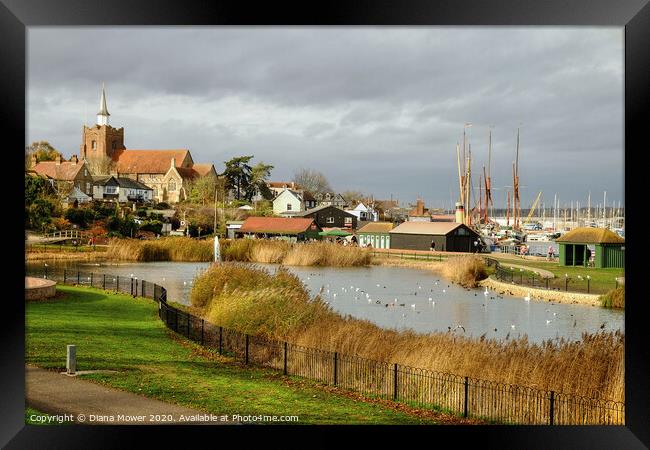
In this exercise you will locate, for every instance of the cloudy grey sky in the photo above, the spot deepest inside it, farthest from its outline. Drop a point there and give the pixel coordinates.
(376, 109)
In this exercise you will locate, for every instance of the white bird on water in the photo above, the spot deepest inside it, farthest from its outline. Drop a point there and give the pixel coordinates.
(369, 300)
(444, 291)
(486, 292)
(548, 321)
(413, 306)
(430, 299)
(527, 297)
(512, 326)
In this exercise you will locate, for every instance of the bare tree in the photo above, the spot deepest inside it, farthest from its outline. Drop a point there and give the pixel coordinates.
(311, 180)
(100, 165)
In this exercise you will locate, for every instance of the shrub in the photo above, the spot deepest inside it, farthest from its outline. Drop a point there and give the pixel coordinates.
(465, 270)
(614, 298)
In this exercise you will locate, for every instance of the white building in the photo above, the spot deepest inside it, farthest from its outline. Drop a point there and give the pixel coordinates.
(287, 201)
(364, 213)
(121, 190)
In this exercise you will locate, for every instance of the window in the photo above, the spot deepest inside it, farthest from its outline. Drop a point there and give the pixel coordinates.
(462, 232)
(85, 172)
(111, 189)
(288, 206)
(88, 187)
(172, 186)
(94, 145)
(330, 220)
(348, 220)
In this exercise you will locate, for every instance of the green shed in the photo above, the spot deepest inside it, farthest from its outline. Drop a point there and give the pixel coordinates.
(375, 234)
(609, 248)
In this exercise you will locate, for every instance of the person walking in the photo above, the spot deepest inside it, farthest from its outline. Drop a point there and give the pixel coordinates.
(433, 246)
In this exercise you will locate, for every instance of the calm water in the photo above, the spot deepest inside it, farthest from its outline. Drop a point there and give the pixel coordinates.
(430, 302)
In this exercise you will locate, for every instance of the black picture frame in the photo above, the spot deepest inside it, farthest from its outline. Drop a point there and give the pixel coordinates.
(634, 15)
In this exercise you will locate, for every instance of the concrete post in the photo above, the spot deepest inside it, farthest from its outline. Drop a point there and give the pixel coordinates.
(71, 360)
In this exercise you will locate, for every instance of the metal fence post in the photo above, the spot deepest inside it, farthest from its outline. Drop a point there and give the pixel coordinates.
(117, 288)
(551, 408)
(131, 285)
(78, 278)
(587, 285)
(466, 399)
(104, 281)
(547, 283)
(336, 363)
(221, 340)
(64, 276)
(285, 358)
(91, 279)
(246, 360)
(202, 328)
(142, 289)
(395, 382)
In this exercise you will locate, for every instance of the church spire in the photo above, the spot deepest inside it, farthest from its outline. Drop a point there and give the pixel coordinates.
(102, 115)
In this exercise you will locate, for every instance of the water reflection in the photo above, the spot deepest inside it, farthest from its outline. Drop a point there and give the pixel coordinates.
(399, 298)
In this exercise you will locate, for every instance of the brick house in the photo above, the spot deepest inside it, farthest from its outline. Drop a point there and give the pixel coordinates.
(66, 175)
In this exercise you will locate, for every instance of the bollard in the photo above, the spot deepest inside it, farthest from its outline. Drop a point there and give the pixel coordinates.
(285, 358)
(71, 360)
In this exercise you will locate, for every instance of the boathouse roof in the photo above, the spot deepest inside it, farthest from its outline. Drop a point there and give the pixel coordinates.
(589, 235)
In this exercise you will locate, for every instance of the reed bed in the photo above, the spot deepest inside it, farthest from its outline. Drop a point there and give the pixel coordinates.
(278, 306)
(164, 249)
(294, 254)
(465, 270)
(614, 298)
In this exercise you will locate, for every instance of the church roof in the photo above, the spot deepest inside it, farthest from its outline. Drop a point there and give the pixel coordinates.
(188, 173)
(103, 110)
(203, 168)
(66, 171)
(149, 161)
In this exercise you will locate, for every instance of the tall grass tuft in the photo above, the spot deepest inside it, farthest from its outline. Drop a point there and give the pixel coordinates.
(254, 301)
(164, 249)
(614, 298)
(465, 270)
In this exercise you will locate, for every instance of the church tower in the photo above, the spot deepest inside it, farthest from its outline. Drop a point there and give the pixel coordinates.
(101, 140)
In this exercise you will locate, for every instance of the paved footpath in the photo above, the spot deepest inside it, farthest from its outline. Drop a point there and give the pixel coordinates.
(55, 393)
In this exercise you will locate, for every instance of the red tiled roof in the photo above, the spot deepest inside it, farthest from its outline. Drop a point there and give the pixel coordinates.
(276, 225)
(187, 173)
(66, 171)
(203, 168)
(149, 161)
(282, 184)
(443, 217)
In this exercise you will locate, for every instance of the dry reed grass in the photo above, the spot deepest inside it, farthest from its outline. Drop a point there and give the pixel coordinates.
(164, 249)
(465, 270)
(278, 306)
(294, 254)
(614, 298)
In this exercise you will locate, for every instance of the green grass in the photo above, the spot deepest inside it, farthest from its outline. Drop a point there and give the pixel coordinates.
(46, 419)
(117, 332)
(602, 280)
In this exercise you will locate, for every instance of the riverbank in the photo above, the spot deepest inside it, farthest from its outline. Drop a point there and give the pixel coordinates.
(540, 294)
(121, 333)
(254, 301)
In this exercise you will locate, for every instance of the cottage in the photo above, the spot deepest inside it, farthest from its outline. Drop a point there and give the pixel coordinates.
(330, 199)
(581, 244)
(290, 229)
(447, 236)
(289, 201)
(121, 189)
(375, 234)
(419, 213)
(330, 216)
(364, 213)
(66, 175)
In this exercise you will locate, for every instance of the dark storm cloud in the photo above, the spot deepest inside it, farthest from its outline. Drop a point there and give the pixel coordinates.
(375, 109)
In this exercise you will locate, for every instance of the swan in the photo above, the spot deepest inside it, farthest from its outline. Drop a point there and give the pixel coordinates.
(486, 292)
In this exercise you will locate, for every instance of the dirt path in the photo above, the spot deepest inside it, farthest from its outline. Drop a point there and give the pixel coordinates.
(91, 404)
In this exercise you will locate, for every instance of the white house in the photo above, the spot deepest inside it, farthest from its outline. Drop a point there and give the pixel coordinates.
(364, 213)
(287, 201)
(121, 190)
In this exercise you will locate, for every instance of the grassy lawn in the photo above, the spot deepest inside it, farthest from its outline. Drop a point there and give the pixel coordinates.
(602, 280)
(113, 331)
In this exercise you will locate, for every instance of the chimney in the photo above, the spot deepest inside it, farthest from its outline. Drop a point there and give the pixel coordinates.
(59, 160)
(420, 207)
(74, 159)
(460, 213)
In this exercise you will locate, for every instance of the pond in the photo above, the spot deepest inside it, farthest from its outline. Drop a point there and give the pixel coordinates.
(397, 298)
